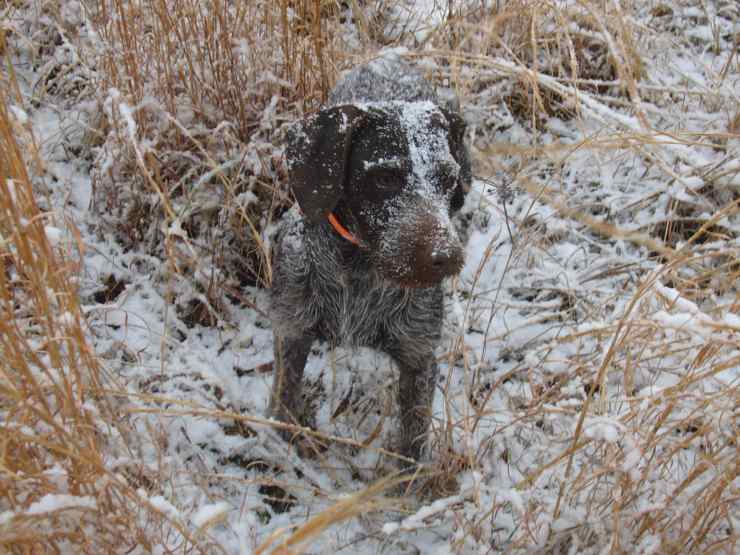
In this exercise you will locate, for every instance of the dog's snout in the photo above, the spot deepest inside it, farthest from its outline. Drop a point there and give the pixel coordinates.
(443, 262)
(422, 248)
(442, 259)
(438, 252)
(439, 260)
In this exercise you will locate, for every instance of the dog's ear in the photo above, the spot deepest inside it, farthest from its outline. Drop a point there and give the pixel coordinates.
(317, 153)
(461, 154)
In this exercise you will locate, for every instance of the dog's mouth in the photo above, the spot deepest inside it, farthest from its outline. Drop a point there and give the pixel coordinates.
(418, 245)
(425, 269)
(417, 284)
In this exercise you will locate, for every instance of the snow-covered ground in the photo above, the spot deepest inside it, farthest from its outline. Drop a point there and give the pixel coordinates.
(588, 327)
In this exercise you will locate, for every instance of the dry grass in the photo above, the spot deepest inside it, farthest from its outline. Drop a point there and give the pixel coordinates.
(58, 491)
(194, 103)
(187, 166)
(589, 70)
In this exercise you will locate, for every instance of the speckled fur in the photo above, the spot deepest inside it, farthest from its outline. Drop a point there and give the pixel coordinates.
(326, 288)
(382, 80)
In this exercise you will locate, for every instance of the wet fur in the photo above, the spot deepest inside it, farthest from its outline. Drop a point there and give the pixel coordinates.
(326, 288)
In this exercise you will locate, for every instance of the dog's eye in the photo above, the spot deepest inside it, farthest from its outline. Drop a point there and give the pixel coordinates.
(385, 180)
(448, 174)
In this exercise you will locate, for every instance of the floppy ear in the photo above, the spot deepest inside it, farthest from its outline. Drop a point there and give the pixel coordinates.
(316, 154)
(461, 154)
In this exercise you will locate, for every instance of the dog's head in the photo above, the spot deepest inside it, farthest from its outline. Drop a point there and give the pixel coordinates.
(395, 171)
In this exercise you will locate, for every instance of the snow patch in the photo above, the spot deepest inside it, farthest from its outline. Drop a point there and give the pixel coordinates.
(57, 502)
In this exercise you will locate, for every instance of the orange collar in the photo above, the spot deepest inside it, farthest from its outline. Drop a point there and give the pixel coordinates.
(339, 228)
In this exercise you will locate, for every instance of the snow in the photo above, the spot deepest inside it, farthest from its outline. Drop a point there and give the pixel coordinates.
(175, 229)
(210, 513)
(161, 504)
(530, 320)
(604, 429)
(20, 115)
(57, 502)
(424, 513)
(53, 234)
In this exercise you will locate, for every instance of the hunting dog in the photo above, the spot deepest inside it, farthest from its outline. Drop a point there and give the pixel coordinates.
(377, 175)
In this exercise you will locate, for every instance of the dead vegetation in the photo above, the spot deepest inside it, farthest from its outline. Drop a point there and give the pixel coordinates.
(194, 102)
(617, 433)
(60, 428)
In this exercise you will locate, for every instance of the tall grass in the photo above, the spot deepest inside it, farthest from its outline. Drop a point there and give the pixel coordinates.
(55, 422)
(224, 62)
(191, 103)
(194, 99)
(60, 433)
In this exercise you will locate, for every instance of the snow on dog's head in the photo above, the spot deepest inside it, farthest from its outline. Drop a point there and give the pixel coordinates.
(392, 172)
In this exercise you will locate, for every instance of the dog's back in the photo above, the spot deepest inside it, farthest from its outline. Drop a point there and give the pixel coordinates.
(382, 80)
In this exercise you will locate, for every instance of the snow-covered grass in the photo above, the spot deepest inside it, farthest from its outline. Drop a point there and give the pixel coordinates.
(63, 442)
(589, 397)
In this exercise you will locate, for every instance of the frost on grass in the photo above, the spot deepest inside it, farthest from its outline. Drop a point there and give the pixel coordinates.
(208, 514)
(57, 502)
(589, 375)
(208, 157)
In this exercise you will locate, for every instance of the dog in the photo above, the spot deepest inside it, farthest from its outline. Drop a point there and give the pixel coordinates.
(377, 175)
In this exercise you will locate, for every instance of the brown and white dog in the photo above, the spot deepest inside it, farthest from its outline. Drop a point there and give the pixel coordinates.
(377, 175)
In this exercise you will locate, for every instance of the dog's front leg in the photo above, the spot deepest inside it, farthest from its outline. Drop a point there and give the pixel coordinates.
(290, 360)
(417, 382)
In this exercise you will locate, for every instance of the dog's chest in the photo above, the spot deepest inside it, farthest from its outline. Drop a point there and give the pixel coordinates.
(316, 290)
(363, 310)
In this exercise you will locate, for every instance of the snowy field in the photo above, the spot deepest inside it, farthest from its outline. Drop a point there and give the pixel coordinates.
(588, 400)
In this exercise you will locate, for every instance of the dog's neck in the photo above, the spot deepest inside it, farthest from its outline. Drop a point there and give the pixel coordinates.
(352, 257)
(341, 230)
(344, 226)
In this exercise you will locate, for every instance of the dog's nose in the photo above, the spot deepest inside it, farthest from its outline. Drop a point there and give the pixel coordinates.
(445, 261)
(439, 260)
(438, 256)
(425, 248)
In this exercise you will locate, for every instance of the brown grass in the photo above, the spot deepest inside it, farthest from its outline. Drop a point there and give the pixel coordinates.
(197, 113)
(196, 99)
(57, 429)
